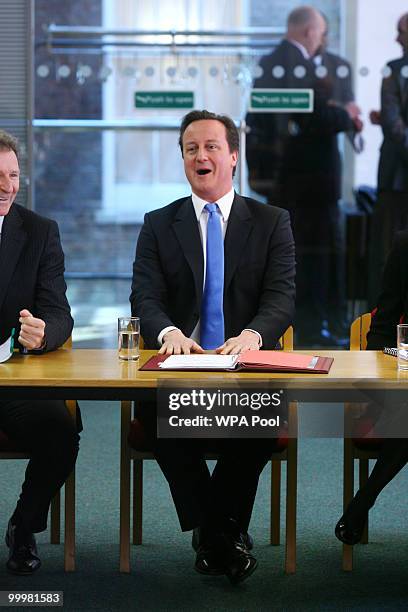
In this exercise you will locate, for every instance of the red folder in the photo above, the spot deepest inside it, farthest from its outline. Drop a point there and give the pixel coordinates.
(262, 361)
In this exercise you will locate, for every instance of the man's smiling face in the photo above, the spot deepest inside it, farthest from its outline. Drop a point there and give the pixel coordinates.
(9, 180)
(208, 161)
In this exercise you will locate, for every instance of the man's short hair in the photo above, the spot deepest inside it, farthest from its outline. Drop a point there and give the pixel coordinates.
(301, 16)
(9, 143)
(200, 115)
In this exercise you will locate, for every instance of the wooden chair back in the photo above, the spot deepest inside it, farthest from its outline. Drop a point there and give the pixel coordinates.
(358, 332)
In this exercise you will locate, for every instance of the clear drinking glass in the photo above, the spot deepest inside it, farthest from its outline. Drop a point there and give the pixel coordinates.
(402, 346)
(128, 338)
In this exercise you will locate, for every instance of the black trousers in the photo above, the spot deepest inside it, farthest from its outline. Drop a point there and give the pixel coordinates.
(47, 431)
(202, 498)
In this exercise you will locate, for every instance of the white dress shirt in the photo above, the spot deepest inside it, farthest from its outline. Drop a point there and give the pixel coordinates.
(224, 204)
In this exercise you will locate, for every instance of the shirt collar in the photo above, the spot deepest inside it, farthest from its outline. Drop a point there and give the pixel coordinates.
(1, 222)
(301, 48)
(224, 204)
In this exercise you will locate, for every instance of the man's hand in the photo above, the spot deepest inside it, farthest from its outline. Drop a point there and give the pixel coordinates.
(32, 332)
(375, 117)
(176, 343)
(353, 110)
(246, 341)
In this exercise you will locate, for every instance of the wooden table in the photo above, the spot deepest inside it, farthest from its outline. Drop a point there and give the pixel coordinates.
(99, 374)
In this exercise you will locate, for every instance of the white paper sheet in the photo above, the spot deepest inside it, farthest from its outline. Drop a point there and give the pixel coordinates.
(6, 350)
(199, 362)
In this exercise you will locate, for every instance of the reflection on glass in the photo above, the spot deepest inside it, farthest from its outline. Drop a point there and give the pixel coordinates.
(404, 72)
(386, 72)
(257, 72)
(63, 71)
(278, 72)
(104, 73)
(364, 71)
(299, 72)
(321, 72)
(43, 71)
(342, 71)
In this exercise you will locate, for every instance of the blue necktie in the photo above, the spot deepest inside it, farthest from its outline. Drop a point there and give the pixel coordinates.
(212, 314)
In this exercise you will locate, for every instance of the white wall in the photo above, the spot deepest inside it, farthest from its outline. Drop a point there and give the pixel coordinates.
(371, 43)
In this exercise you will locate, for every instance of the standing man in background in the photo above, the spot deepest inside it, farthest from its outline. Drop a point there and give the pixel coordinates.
(213, 270)
(391, 211)
(293, 160)
(33, 302)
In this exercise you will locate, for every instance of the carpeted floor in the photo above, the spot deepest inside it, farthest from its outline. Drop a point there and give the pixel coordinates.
(162, 576)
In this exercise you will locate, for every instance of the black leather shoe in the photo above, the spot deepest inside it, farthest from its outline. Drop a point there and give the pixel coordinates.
(348, 532)
(195, 539)
(23, 556)
(209, 561)
(239, 563)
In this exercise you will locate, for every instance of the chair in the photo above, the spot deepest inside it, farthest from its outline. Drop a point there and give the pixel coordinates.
(135, 448)
(362, 448)
(9, 450)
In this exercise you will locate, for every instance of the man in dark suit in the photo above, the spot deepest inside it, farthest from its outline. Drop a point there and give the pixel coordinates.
(293, 160)
(171, 277)
(391, 212)
(33, 302)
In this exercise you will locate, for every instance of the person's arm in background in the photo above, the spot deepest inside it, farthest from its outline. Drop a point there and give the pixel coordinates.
(393, 297)
(392, 121)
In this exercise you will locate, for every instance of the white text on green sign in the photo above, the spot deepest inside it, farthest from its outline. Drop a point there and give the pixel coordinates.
(164, 99)
(281, 100)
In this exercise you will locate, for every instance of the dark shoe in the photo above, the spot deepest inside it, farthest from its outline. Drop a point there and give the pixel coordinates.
(350, 527)
(209, 561)
(195, 539)
(239, 563)
(23, 556)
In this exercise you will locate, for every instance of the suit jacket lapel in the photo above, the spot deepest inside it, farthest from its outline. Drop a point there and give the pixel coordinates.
(185, 226)
(13, 237)
(238, 230)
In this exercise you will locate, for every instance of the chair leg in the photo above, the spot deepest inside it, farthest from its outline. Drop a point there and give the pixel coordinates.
(363, 477)
(124, 550)
(348, 491)
(275, 502)
(137, 501)
(56, 519)
(291, 493)
(69, 545)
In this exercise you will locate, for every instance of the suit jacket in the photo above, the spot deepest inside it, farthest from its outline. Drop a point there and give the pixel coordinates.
(299, 149)
(393, 300)
(393, 166)
(32, 275)
(340, 89)
(259, 287)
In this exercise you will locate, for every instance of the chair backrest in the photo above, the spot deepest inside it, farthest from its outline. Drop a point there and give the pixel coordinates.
(287, 340)
(67, 344)
(358, 332)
